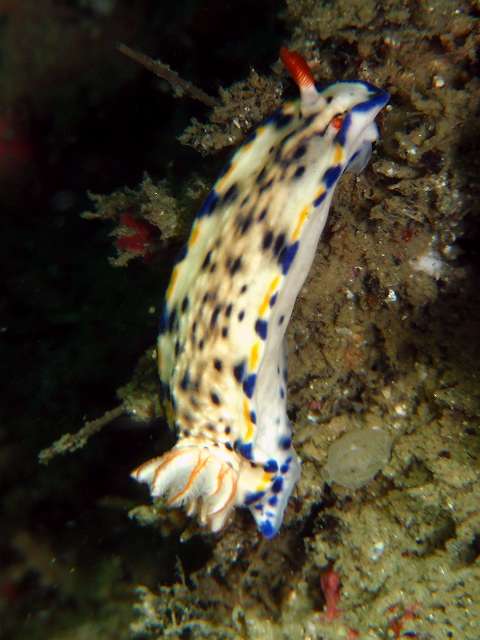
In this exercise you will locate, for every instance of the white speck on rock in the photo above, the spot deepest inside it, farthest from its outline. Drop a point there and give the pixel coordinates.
(430, 263)
(391, 296)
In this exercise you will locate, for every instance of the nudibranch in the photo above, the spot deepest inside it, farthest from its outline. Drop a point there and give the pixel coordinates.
(221, 348)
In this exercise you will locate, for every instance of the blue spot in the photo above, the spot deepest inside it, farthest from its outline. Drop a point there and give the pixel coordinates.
(230, 194)
(261, 175)
(172, 319)
(331, 176)
(270, 466)
(283, 120)
(282, 393)
(162, 326)
(259, 507)
(267, 240)
(185, 304)
(284, 468)
(318, 201)
(279, 244)
(181, 254)
(273, 117)
(299, 152)
(299, 172)
(273, 299)
(253, 417)
(249, 385)
(266, 186)
(261, 327)
(208, 207)
(285, 442)
(250, 138)
(214, 316)
(244, 450)
(239, 371)
(273, 501)
(250, 498)
(267, 529)
(185, 381)
(287, 256)
(177, 348)
(341, 137)
(165, 388)
(277, 485)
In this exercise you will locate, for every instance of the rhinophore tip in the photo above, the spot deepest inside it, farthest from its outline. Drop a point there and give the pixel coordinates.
(301, 73)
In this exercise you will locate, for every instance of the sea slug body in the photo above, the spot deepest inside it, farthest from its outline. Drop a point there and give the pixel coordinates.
(221, 348)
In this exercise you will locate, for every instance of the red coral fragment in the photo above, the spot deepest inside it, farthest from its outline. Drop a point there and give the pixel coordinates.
(330, 583)
(139, 237)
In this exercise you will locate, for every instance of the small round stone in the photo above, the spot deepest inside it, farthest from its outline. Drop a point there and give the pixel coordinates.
(356, 457)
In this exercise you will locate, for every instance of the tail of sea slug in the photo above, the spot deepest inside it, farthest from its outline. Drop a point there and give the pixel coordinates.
(269, 509)
(205, 477)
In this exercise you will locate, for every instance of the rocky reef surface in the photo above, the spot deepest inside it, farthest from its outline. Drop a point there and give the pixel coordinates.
(382, 538)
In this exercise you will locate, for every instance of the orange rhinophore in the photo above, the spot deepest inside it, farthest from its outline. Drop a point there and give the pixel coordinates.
(297, 67)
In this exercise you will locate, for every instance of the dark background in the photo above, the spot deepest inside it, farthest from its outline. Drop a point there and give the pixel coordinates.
(77, 116)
